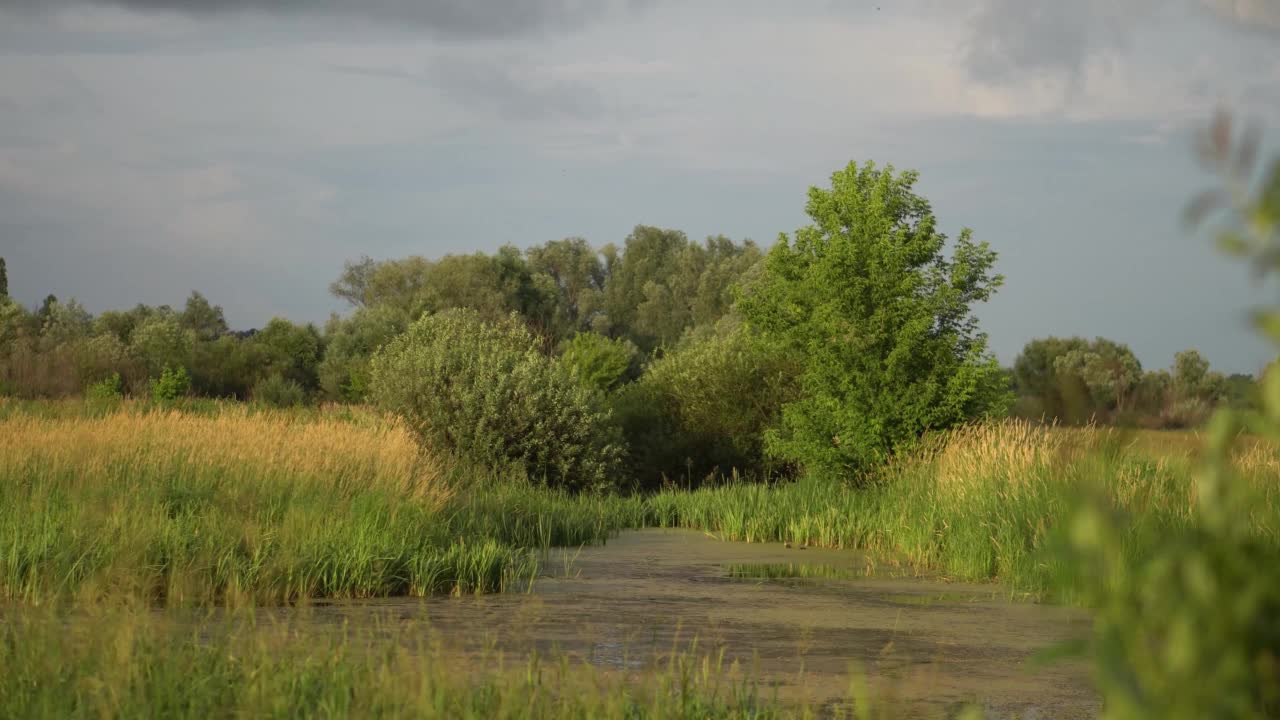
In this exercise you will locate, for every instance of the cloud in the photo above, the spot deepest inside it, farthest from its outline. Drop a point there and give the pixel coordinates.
(1011, 39)
(1253, 14)
(459, 18)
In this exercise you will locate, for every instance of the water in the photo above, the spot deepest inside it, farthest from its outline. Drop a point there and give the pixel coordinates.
(801, 619)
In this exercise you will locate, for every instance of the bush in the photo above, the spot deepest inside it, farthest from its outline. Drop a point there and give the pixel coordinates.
(278, 391)
(600, 362)
(105, 390)
(704, 408)
(171, 385)
(484, 391)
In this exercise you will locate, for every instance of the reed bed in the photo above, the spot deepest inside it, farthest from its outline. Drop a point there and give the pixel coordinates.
(243, 506)
(984, 503)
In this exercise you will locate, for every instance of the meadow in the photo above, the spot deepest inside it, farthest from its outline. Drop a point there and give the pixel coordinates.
(237, 505)
(122, 516)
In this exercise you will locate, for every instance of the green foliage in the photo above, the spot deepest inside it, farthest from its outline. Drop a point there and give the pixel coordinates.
(106, 390)
(4, 281)
(173, 384)
(483, 390)
(277, 391)
(600, 362)
(703, 408)
(663, 284)
(290, 350)
(203, 319)
(1108, 371)
(577, 275)
(1194, 630)
(64, 323)
(881, 320)
(126, 663)
(160, 342)
(227, 367)
(349, 344)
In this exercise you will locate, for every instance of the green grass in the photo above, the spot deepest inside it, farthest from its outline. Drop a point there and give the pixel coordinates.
(261, 508)
(253, 506)
(989, 505)
(129, 664)
(789, 571)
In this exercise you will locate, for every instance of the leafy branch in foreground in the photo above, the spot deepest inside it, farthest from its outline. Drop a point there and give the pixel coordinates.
(1193, 630)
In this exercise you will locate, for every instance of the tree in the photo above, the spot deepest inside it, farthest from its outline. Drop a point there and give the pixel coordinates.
(704, 407)
(64, 323)
(46, 307)
(1034, 377)
(161, 342)
(649, 255)
(880, 320)
(4, 282)
(202, 318)
(697, 290)
(1193, 380)
(577, 274)
(600, 362)
(350, 343)
(290, 350)
(1109, 372)
(353, 284)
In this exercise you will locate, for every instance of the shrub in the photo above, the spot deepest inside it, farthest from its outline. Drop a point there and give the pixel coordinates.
(482, 389)
(171, 385)
(600, 362)
(105, 390)
(704, 407)
(279, 391)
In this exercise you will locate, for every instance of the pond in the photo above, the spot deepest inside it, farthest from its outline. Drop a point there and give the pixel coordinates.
(800, 619)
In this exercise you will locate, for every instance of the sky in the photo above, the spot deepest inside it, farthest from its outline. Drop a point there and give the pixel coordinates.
(246, 148)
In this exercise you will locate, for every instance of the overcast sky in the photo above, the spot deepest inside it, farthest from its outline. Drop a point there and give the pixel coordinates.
(245, 148)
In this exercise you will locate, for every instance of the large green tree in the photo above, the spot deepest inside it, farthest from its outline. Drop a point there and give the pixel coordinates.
(576, 272)
(880, 319)
(203, 318)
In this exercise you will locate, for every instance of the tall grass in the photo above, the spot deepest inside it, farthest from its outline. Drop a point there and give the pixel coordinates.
(241, 505)
(983, 503)
(250, 507)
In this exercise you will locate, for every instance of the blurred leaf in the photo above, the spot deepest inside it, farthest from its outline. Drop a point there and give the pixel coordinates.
(1203, 204)
(1268, 321)
(1220, 134)
(1247, 152)
(1233, 243)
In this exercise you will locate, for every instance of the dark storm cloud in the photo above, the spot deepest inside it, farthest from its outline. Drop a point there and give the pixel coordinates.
(473, 18)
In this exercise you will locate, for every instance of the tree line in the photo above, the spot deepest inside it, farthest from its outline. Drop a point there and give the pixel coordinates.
(843, 343)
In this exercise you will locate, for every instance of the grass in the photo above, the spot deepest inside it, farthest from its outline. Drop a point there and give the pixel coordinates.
(790, 571)
(129, 664)
(108, 512)
(233, 504)
(985, 503)
(247, 506)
